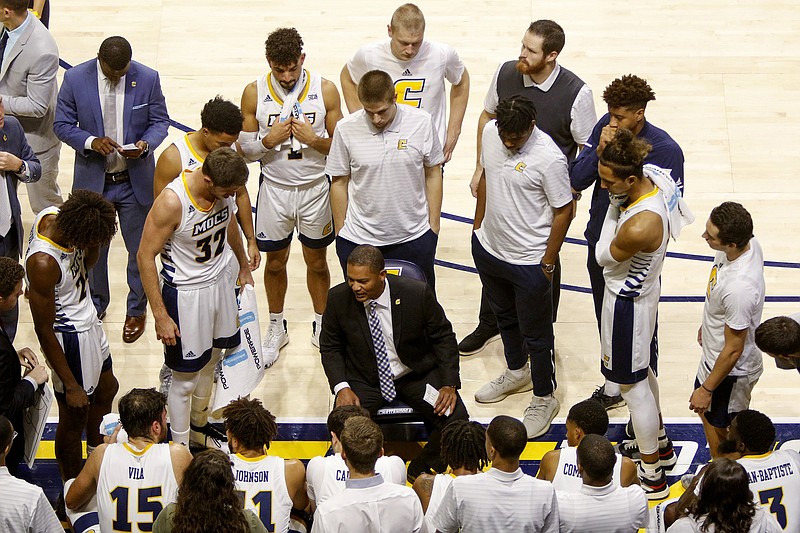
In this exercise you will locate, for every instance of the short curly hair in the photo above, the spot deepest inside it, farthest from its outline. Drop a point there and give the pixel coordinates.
(221, 116)
(250, 423)
(11, 273)
(630, 92)
(284, 46)
(87, 219)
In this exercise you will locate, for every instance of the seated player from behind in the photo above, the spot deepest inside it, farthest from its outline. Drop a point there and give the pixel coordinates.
(326, 476)
(560, 466)
(464, 452)
(270, 485)
(146, 468)
(601, 504)
(368, 503)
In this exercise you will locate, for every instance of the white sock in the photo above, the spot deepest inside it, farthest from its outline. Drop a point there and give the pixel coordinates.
(276, 318)
(520, 373)
(318, 320)
(180, 437)
(611, 389)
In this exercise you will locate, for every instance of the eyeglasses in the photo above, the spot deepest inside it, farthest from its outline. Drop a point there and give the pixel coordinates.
(14, 436)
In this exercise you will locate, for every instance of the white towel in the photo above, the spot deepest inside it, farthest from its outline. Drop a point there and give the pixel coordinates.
(291, 108)
(679, 213)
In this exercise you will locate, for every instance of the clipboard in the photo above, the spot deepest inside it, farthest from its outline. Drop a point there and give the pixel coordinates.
(34, 420)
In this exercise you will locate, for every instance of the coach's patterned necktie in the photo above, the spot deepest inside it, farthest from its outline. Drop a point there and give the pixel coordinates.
(385, 377)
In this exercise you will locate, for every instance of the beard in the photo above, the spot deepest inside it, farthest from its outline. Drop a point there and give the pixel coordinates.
(530, 70)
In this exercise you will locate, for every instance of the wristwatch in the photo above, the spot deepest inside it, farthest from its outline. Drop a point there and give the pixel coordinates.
(549, 268)
(146, 150)
(21, 168)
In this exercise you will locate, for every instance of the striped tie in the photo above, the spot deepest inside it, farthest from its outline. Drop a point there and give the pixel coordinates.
(385, 377)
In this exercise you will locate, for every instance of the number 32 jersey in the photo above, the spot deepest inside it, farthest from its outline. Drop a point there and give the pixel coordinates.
(196, 254)
(74, 309)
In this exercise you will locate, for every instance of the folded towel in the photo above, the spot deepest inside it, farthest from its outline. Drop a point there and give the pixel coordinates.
(292, 109)
(679, 213)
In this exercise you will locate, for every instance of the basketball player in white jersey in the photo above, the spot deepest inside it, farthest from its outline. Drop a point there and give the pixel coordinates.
(289, 118)
(270, 485)
(464, 452)
(326, 476)
(774, 474)
(418, 68)
(134, 480)
(731, 362)
(195, 308)
(631, 250)
(220, 125)
(560, 466)
(63, 245)
(600, 504)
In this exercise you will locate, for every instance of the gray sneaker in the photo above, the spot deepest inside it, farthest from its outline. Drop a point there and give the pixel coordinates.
(503, 386)
(539, 414)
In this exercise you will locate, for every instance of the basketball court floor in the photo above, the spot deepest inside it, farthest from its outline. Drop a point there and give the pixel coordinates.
(726, 76)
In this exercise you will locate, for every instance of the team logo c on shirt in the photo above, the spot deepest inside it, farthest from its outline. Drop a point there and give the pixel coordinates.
(402, 144)
(520, 167)
(712, 280)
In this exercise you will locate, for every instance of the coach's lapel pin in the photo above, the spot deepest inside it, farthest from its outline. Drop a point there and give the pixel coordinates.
(133, 84)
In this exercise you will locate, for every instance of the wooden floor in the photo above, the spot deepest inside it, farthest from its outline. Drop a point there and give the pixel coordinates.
(727, 78)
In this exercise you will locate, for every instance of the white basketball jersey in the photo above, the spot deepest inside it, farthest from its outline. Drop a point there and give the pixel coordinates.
(196, 253)
(73, 301)
(440, 484)
(326, 476)
(262, 482)
(418, 82)
(134, 486)
(775, 483)
(735, 298)
(639, 275)
(568, 478)
(284, 166)
(190, 159)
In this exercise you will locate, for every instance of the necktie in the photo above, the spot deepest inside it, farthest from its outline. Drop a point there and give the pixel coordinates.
(114, 162)
(5, 205)
(385, 378)
(3, 44)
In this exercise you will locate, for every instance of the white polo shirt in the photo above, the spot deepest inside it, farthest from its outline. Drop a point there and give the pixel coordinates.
(370, 506)
(418, 82)
(24, 507)
(386, 193)
(582, 112)
(522, 189)
(608, 509)
(735, 298)
(498, 501)
(326, 476)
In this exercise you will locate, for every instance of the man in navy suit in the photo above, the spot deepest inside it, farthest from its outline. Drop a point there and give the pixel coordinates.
(112, 112)
(415, 347)
(17, 163)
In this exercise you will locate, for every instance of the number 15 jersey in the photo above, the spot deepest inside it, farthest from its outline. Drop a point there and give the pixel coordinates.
(196, 254)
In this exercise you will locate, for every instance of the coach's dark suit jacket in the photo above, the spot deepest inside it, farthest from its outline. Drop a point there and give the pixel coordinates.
(423, 336)
(145, 118)
(16, 394)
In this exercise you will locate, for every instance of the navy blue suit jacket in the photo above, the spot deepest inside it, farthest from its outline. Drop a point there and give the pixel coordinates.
(79, 116)
(12, 140)
(583, 170)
